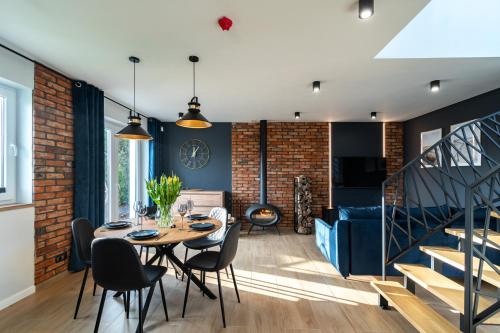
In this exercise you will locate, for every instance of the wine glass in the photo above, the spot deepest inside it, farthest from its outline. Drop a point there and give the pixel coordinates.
(143, 211)
(137, 207)
(190, 207)
(182, 209)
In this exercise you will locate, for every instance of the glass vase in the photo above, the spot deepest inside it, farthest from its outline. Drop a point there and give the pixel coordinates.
(166, 217)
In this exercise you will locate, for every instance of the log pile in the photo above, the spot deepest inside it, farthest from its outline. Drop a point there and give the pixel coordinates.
(303, 205)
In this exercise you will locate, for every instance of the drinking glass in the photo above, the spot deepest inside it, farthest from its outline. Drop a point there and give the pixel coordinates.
(137, 207)
(190, 207)
(182, 209)
(143, 211)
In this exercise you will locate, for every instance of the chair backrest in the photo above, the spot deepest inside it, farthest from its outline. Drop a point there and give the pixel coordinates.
(229, 246)
(219, 213)
(83, 234)
(116, 265)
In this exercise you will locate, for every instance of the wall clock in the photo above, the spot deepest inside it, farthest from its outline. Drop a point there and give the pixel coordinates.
(194, 154)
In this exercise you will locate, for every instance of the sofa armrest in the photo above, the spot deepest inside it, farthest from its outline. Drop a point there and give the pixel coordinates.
(366, 247)
(333, 242)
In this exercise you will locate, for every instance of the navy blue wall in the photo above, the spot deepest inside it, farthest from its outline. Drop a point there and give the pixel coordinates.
(469, 109)
(356, 140)
(216, 175)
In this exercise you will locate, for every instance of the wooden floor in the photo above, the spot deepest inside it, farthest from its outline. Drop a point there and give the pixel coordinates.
(285, 285)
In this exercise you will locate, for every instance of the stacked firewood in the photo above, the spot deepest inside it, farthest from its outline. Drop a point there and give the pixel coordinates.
(303, 205)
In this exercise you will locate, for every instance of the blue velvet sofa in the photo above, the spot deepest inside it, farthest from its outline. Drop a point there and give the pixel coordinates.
(353, 242)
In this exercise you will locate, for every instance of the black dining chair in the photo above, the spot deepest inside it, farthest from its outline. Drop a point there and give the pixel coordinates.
(116, 266)
(212, 240)
(83, 234)
(212, 261)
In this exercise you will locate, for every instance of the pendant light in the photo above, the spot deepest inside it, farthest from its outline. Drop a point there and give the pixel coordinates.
(193, 118)
(134, 131)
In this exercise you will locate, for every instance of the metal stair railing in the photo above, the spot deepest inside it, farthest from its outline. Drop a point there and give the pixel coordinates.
(429, 193)
(485, 192)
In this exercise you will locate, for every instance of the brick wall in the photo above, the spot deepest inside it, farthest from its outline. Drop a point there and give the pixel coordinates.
(393, 152)
(293, 149)
(53, 171)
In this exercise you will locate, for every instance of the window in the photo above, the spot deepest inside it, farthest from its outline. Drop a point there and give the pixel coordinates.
(122, 174)
(8, 147)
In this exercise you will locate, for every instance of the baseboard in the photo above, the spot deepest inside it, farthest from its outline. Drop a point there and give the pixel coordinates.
(16, 297)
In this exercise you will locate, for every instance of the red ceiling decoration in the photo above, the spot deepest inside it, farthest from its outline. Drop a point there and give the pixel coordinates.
(225, 23)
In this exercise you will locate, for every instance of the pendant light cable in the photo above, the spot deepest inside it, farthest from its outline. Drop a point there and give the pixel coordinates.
(194, 79)
(134, 89)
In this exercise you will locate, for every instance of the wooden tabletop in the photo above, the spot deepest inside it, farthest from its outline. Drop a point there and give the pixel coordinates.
(166, 236)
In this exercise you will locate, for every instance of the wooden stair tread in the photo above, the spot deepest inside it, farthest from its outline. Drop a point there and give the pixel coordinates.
(419, 314)
(447, 290)
(456, 259)
(492, 236)
(495, 215)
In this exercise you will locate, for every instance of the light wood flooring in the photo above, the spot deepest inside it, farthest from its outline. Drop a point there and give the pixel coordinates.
(285, 285)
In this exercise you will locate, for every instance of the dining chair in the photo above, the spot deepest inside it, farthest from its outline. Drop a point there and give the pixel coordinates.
(212, 261)
(83, 234)
(214, 239)
(116, 266)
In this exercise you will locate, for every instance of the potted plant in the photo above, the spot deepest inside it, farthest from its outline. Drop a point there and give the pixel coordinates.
(164, 194)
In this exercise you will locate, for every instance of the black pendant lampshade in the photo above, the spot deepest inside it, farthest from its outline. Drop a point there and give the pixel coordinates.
(193, 118)
(133, 130)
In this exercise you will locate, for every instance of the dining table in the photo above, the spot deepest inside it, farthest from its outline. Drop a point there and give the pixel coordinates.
(164, 243)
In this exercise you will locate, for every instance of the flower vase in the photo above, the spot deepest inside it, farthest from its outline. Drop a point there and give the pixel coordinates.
(166, 218)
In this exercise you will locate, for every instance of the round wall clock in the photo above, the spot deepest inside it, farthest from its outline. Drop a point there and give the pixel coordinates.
(194, 154)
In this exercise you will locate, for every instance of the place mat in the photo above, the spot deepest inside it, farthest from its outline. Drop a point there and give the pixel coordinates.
(143, 234)
(202, 226)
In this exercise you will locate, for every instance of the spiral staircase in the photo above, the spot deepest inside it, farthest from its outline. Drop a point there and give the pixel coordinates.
(459, 177)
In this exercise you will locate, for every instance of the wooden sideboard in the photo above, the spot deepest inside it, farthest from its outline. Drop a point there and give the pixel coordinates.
(204, 201)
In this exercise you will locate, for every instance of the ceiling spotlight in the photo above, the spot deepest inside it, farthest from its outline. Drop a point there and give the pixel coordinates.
(366, 9)
(373, 115)
(316, 86)
(297, 115)
(181, 114)
(435, 85)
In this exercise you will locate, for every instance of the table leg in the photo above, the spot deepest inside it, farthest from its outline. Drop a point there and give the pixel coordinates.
(169, 252)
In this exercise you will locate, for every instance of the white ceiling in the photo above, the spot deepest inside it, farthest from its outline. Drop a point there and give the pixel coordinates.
(261, 69)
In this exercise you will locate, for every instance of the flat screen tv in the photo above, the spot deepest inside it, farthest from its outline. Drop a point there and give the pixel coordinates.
(360, 172)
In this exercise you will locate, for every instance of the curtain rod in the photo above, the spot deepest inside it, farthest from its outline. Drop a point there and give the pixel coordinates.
(67, 77)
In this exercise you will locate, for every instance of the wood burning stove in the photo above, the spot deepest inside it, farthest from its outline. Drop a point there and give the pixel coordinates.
(263, 214)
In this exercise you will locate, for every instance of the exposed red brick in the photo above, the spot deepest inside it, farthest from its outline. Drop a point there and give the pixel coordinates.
(394, 146)
(53, 173)
(293, 149)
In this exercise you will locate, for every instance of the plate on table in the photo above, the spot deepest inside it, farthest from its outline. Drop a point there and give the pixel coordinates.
(143, 234)
(117, 225)
(202, 226)
(197, 217)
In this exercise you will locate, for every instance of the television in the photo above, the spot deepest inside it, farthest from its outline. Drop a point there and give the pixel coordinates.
(360, 172)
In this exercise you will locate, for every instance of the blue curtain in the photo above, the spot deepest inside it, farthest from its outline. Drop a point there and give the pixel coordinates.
(88, 112)
(155, 146)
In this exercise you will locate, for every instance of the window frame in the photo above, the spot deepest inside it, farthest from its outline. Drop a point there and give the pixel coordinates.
(9, 141)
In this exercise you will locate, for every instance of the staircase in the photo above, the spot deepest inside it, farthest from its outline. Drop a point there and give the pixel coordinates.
(454, 188)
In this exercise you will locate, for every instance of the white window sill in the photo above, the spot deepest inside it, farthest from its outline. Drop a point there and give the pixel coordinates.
(7, 207)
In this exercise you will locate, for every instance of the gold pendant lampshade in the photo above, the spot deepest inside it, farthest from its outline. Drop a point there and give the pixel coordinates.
(134, 131)
(193, 118)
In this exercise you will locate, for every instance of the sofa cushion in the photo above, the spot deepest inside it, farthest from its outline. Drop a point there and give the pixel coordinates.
(360, 213)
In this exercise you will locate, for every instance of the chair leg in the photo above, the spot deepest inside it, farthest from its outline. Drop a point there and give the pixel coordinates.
(82, 287)
(147, 253)
(277, 229)
(187, 292)
(227, 274)
(234, 282)
(99, 313)
(140, 251)
(203, 274)
(140, 311)
(95, 286)
(128, 303)
(221, 300)
(163, 299)
(185, 259)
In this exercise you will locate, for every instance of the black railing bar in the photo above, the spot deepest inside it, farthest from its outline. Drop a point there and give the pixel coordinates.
(438, 143)
(488, 261)
(415, 219)
(488, 135)
(408, 224)
(430, 233)
(469, 161)
(430, 192)
(492, 173)
(486, 313)
(448, 172)
(489, 241)
(489, 293)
